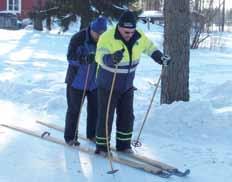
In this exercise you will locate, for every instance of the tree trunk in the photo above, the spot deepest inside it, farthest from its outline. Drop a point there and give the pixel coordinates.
(197, 6)
(86, 16)
(38, 21)
(223, 15)
(175, 78)
(48, 22)
(85, 21)
(152, 4)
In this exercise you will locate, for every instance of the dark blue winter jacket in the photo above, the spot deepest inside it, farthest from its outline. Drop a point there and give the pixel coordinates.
(76, 72)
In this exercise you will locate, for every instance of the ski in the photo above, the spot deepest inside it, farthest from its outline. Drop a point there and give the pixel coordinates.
(170, 169)
(134, 164)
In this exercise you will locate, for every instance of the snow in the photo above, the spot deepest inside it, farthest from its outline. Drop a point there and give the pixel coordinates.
(151, 14)
(195, 135)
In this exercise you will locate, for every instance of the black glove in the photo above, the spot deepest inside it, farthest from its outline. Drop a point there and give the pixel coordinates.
(160, 58)
(165, 60)
(87, 59)
(83, 59)
(117, 56)
(91, 58)
(82, 54)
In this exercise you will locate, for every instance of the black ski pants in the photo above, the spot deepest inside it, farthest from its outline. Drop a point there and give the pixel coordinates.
(123, 104)
(74, 97)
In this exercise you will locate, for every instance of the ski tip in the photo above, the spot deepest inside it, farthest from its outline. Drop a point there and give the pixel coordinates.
(180, 173)
(187, 172)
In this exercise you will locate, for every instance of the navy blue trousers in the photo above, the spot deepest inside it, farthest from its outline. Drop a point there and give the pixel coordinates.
(74, 97)
(123, 104)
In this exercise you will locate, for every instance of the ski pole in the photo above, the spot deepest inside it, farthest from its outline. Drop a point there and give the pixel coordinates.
(165, 60)
(137, 143)
(107, 117)
(112, 171)
(82, 102)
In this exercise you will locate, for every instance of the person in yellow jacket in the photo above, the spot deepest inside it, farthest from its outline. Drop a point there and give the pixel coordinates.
(118, 52)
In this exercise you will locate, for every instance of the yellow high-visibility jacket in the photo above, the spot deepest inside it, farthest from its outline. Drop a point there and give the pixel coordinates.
(111, 41)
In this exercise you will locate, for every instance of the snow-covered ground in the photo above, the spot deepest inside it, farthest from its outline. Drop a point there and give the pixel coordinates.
(195, 135)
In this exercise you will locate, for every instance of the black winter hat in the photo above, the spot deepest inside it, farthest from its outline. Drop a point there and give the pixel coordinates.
(127, 20)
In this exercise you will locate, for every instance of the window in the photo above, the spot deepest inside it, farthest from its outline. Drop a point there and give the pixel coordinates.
(14, 5)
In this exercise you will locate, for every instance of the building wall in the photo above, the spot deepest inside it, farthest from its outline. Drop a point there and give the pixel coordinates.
(27, 6)
(2, 5)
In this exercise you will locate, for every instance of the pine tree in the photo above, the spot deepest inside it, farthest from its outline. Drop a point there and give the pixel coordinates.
(88, 10)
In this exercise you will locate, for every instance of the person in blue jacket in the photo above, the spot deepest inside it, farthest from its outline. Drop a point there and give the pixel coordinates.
(80, 80)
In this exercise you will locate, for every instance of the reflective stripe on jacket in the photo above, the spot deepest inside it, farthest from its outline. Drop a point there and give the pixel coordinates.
(108, 43)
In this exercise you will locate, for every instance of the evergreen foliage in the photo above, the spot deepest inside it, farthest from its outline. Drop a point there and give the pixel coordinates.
(67, 10)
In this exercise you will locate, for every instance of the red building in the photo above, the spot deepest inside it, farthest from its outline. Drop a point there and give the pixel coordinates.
(20, 7)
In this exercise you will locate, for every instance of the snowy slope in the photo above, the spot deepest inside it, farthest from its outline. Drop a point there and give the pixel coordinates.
(195, 135)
